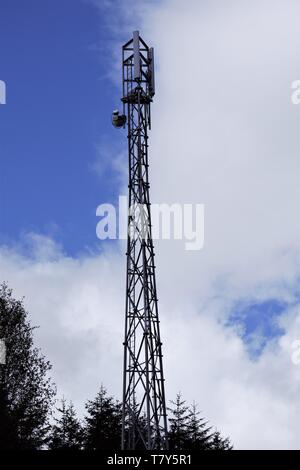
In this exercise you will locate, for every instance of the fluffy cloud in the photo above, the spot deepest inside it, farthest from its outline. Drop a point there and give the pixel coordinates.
(224, 134)
(79, 305)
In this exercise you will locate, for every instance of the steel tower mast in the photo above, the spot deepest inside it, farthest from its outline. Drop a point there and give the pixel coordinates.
(144, 424)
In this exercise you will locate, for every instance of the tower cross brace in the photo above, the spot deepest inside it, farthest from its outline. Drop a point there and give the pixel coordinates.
(144, 418)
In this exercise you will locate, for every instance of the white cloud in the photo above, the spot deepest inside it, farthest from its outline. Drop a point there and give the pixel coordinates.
(76, 303)
(79, 305)
(224, 134)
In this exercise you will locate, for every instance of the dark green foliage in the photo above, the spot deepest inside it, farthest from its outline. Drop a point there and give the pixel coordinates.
(67, 432)
(179, 424)
(189, 432)
(103, 422)
(26, 390)
(199, 435)
(220, 443)
(8, 428)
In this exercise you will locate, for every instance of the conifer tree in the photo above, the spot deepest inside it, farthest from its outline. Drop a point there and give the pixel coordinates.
(26, 391)
(188, 431)
(220, 443)
(67, 432)
(179, 424)
(8, 428)
(103, 422)
(199, 436)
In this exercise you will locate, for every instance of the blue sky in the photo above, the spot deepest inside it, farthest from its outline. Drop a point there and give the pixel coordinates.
(55, 60)
(258, 323)
(59, 102)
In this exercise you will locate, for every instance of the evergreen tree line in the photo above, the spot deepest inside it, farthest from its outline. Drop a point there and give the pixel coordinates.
(101, 428)
(27, 399)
